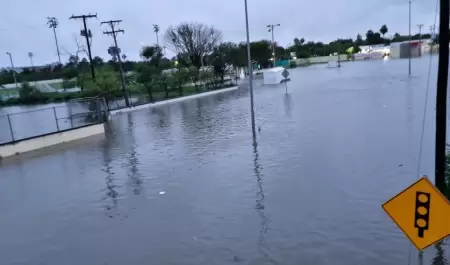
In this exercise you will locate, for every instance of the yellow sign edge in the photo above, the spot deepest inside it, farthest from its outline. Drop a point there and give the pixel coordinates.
(440, 194)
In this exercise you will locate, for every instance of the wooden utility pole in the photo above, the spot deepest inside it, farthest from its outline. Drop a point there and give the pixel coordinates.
(113, 32)
(441, 97)
(87, 34)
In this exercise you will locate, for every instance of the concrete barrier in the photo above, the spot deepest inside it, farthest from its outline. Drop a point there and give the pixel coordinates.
(164, 102)
(48, 140)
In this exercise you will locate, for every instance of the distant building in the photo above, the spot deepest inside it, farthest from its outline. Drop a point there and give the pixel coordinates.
(415, 47)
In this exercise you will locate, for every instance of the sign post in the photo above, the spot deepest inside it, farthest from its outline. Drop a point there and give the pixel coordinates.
(422, 212)
(285, 74)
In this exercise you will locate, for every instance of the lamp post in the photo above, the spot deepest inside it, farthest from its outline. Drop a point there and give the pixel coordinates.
(250, 71)
(30, 54)
(12, 68)
(409, 39)
(271, 29)
(286, 50)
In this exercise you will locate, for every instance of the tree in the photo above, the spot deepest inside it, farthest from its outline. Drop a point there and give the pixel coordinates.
(383, 30)
(195, 40)
(152, 54)
(97, 61)
(373, 38)
(261, 52)
(156, 30)
(145, 77)
(29, 94)
(359, 41)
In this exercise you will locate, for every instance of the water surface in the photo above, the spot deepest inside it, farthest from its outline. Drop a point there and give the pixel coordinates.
(307, 190)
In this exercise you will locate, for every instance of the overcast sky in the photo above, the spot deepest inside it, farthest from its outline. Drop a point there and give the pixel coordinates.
(23, 22)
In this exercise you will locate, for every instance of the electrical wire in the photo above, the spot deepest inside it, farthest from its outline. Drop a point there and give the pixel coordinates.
(424, 117)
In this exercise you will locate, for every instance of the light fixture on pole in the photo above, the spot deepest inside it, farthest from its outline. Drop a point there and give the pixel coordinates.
(12, 69)
(271, 29)
(30, 54)
(250, 71)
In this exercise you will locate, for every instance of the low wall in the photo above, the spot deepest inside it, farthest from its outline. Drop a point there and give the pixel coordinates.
(159, 103)
(39, 142)
(321, 59)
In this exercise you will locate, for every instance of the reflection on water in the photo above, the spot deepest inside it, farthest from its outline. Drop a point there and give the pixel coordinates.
(135, 177)
(111, 199)
(263, 247)
(440, 257)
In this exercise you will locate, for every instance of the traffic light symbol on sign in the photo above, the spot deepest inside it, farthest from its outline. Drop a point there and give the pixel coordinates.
(422, 216)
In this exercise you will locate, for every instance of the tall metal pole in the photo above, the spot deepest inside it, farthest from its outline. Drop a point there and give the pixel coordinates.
(441, 97)
(53, 23)
(271, 29)
(409, 41)
(13, 70)
(250, 71)
(273, 47)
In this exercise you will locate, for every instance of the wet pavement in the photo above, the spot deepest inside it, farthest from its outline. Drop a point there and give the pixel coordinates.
(186, 183)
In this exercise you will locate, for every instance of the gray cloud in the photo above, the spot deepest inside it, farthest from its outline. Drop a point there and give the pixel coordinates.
(23, 22)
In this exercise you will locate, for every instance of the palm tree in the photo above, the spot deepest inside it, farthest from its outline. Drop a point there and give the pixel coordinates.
(156, 30)
(383, 30)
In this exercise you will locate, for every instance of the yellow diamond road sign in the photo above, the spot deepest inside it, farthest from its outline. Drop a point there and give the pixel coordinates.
(421, 212)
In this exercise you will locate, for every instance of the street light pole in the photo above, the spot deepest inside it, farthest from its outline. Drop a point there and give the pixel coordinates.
(409, 41)
(12, 67)
(250, 71)
(286, 50)
(271, 29)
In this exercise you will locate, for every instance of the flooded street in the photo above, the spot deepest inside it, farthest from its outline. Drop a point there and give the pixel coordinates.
(186, 183)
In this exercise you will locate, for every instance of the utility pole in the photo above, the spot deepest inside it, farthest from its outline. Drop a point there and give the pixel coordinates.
(113, 32)
(409, 40)
(433, 36)
(250, 71)
(420, 26)
(53, 23)
(441, 98)
(13, 70)
(87, 34)
(271, 29)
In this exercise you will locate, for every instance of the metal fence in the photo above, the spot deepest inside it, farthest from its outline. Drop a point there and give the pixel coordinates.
(37, 122)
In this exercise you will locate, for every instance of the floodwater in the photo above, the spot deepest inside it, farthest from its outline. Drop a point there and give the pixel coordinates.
(187, 183)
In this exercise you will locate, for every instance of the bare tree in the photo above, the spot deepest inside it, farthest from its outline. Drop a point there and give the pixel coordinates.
(196, 40)
(74, 55)
(75, 61)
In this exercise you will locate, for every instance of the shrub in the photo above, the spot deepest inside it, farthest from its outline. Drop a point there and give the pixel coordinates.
(29, 94)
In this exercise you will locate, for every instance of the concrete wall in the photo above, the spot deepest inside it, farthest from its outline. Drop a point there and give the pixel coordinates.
(169, 101)
(50, 140)
(321, 59)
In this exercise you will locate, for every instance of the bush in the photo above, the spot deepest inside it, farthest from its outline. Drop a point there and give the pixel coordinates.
(29, 94)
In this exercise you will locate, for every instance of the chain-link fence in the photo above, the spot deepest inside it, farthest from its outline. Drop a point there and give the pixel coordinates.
(73, 114)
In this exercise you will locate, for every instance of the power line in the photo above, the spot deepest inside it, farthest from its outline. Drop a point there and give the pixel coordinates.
(116, 52)
(87, 34)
